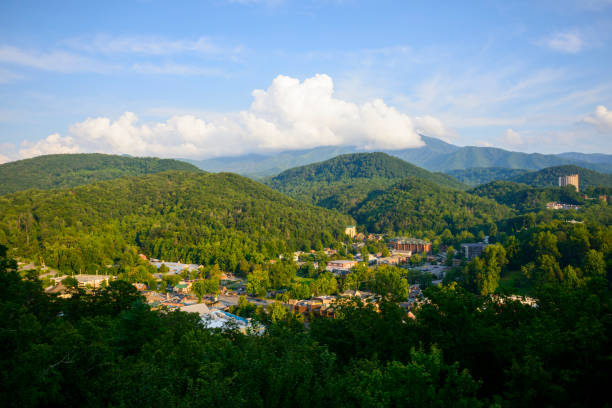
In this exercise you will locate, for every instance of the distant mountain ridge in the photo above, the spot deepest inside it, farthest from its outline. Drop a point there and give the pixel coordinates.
(71, 170)
(436, 155)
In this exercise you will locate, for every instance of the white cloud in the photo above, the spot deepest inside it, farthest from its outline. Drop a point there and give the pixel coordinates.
(176, 69)
(430, 126)
(288, 115)
(4, 159)
(512, 137)
(149, 45)
(569, 42)
(52, 144)
(7, 76)
(58, 61)
(602, 118)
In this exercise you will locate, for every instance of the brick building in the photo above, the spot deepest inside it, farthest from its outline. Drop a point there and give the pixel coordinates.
(416, 246)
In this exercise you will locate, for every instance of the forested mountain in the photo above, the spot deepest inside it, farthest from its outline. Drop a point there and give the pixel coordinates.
(481, 175)
(70, 170)
(379, 168)
(435, 155)
(384, 193)
(414, 206)
(527, 198)
(549, 177)
(192, 217)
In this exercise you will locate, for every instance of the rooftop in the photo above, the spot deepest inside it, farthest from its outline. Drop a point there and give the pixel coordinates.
(402, 240)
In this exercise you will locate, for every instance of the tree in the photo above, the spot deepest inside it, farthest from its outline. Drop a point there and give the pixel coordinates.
(389, 283)
(365, 254)
(482, 273)
(277, 311)
(594, 264)
(324, 284)
(203, 287)
(450, 254)
(258, 282)
(70, 282)
(416, 259)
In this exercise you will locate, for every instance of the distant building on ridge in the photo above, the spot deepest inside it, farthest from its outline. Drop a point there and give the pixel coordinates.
(571, 180)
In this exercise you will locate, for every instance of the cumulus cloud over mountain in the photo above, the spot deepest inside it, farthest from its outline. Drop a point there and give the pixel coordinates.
(289, 114)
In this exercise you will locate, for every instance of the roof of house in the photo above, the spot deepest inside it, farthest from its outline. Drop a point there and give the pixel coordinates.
(199, 308)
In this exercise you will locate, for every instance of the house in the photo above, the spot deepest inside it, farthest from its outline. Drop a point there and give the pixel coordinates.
(350, 230)
(392, 260)
(342, 265)
(183, 287)
(140, 286)
(94, 281)
(199, 308)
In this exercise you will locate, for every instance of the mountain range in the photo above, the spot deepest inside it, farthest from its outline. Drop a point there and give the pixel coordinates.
(435, 155)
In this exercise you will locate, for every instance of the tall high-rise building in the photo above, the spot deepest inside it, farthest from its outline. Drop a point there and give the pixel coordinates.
(571, 180)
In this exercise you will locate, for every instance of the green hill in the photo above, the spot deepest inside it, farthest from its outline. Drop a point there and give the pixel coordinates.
(70, 170)
(414, 206)
(347, 168)
(481, 175)
(526, 198)
(549, 177)
(192, 217)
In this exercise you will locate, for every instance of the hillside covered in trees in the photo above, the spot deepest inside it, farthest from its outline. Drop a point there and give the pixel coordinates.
(192, 217)
(549, 177)
(378, 168)
(527, 198)
(475, 176)
(413, 206)
(386, 194)
(71, 170)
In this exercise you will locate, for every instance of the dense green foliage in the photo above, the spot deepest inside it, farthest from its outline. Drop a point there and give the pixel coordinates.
(413, 206)
(526, 198)
(475, 176)
(386, 194)
(71, 170)
(549, 177)
(347, 168)
(106, 348)
(178, 216)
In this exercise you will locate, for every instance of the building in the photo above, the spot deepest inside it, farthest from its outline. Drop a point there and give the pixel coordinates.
(561, 206)
(571, 180)
(471, 251)
(416, 246)
(351, 231)
(342, 265)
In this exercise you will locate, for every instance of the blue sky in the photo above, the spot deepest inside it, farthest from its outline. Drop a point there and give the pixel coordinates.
(212, 78)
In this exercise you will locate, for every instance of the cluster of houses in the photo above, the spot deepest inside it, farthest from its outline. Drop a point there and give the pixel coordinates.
(561, 206)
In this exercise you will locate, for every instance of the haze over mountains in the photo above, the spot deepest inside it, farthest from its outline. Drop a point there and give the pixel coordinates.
(436, 155)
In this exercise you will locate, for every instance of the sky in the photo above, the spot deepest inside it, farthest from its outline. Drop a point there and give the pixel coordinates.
(201, 79)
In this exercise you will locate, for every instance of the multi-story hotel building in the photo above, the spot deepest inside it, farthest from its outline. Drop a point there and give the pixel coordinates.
(416, 246)
(571, 180)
